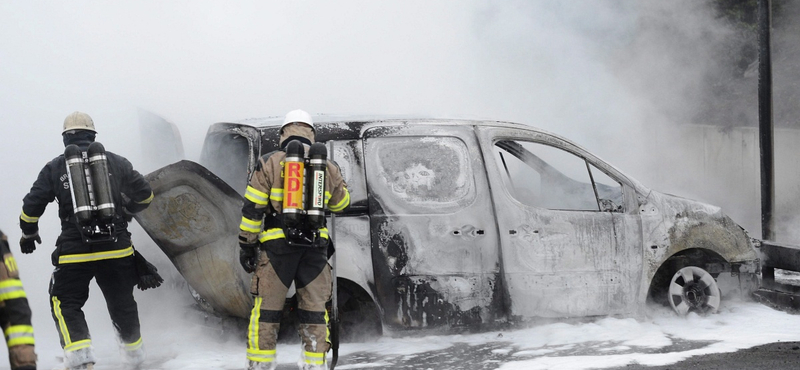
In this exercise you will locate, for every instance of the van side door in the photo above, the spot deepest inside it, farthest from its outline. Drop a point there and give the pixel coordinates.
(570, 246)
(434, 237)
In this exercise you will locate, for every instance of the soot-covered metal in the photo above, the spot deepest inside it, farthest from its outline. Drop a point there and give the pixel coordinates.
(458, 223)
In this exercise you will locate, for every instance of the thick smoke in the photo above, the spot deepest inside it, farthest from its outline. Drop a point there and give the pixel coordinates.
(617, 77)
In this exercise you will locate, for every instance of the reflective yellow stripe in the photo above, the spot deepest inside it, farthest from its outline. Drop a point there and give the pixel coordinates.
(271, 234)
(81, 344)
(276, 194)
(97, 256)
(250, 225)
(11, 289)
(261, 355)
(134, 346)
(27, 218)
(148, 200)
(313, 358)
(327, 330)
(252, 330)
(342, 204)
(62, 325)
(19, 334)
(256, 196)
(11, 263)
(276, 233)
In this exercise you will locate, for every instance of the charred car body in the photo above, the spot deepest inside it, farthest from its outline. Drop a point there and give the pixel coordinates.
(457, 223)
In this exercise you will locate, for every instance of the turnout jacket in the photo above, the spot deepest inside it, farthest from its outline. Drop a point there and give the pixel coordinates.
(15, 314)
(130, 191)
(263, 203)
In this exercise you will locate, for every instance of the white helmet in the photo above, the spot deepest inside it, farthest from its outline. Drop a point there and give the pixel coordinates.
(298, 115)
(78, 121)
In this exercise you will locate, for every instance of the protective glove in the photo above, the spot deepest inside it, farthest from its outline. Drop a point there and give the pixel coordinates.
(26, 243)
(148, 274)
(248, 256)
(127, 215)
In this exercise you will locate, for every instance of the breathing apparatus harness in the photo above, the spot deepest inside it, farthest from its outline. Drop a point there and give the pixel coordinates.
(303, 210)
(90, 186)
(93, 205)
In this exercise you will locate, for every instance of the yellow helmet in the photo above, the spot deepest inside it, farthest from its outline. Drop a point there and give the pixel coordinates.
(78, 121)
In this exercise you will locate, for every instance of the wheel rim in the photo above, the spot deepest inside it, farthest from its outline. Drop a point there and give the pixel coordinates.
(693, 289)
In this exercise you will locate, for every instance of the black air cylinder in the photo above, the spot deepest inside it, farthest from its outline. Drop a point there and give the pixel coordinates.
(101, 183)
(81, 203)
(315, 185)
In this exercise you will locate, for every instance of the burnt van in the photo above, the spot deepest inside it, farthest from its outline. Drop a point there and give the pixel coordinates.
(459, 223)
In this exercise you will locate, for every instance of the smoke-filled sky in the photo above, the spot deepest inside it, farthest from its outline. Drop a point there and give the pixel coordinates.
(571, 67)
(600, 72)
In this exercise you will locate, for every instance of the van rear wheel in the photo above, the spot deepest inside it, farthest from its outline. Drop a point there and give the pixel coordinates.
(693, 289)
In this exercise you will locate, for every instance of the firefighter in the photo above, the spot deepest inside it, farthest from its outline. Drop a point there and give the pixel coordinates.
(89, 248)
(280, 254)
(15, 314)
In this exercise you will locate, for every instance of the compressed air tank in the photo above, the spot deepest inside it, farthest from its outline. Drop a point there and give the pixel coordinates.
(78, 184)
(315, 185)
(293, 178)
(101, 183)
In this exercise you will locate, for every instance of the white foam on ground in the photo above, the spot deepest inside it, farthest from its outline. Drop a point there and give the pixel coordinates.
(176, 343)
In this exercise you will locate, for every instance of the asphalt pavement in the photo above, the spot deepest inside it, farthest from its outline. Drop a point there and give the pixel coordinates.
(773, 356)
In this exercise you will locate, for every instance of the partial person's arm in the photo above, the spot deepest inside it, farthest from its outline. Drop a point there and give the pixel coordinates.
(256, 204)
(136, 188)
(337, 197)
(33, 206)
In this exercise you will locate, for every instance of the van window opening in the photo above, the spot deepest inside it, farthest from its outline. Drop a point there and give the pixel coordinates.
(548, 177)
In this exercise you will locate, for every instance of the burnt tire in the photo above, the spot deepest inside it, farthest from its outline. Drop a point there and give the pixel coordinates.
(693, 289)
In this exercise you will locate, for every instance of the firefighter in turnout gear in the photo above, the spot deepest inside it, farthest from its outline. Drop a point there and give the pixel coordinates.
(15, 314)
(97, 191)
(284, 239)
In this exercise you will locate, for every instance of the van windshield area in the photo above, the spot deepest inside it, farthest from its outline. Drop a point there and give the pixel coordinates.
(227, 155)
(544, 176)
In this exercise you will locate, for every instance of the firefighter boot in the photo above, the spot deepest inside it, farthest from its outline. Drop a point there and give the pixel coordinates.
(89, 366)
(255, 365)
(306, 366)
(312, 361)
(22, 357)
(133, 357)
(81, 359)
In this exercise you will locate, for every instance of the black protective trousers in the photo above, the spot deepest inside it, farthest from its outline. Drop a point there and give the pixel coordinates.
(69, 290)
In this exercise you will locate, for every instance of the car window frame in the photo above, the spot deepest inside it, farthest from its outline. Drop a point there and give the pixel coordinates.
(506, 134)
